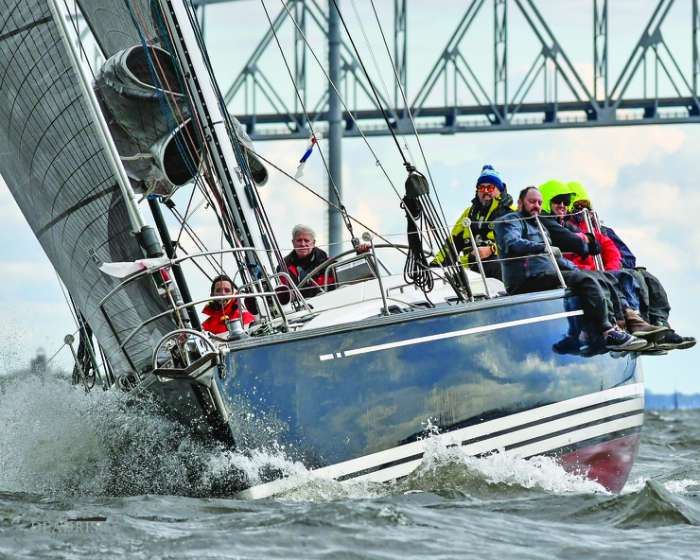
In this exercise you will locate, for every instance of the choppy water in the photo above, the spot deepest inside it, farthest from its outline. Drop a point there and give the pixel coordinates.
(90, 477)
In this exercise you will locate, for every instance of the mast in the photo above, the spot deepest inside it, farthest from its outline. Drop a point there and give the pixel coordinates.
(335, 132)
(227, 156)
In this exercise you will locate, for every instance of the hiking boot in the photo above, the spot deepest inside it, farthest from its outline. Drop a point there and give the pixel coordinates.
(640, 328)
(619, 340)
(673, 341)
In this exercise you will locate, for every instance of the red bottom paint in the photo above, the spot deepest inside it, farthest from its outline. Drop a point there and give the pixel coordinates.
(608, 463)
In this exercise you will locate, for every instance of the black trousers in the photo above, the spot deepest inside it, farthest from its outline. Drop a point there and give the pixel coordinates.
(492, 267)
(595, 302)
(613, 292)
(655, 309)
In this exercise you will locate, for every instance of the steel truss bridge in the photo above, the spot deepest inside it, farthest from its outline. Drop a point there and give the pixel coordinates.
(552, 93)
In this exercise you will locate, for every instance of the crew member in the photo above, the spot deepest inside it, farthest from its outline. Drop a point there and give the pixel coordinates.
(490, 201)
(304, 258)
(528, 268)
(645, 293)
(221, 310)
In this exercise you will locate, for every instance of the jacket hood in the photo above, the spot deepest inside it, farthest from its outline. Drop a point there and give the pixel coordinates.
(553, 188)
(580, 193)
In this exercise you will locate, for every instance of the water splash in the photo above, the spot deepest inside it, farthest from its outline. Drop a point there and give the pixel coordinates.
(57, 439)
(447, 468)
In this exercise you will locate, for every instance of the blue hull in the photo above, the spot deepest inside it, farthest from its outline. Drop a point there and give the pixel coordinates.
(339, 394)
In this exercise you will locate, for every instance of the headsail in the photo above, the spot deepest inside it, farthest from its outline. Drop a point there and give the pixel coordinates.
(54, 161)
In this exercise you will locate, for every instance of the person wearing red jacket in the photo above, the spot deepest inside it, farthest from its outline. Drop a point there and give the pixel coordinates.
(221, 310)
(303, 259)
(610, 254)
(619, 280)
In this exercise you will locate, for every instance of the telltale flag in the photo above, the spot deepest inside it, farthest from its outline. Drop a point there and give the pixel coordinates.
(307, 155)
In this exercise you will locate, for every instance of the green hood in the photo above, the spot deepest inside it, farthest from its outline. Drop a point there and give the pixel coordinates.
(579, 191)
(553, 188)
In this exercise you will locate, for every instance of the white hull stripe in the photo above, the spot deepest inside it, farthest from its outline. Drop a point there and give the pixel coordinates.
(625, 424)
(451, 334)
(522, 437)
(540, 429)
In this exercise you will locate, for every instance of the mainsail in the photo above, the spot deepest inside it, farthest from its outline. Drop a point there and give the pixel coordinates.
(54, 161)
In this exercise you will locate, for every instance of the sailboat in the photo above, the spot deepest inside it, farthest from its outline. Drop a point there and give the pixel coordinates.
(353, 382)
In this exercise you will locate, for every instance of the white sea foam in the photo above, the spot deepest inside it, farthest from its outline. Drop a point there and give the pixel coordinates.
(506, 468)
(684, 486)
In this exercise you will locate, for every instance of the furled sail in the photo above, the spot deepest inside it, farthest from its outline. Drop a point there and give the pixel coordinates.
(54, 161)
(128, 30)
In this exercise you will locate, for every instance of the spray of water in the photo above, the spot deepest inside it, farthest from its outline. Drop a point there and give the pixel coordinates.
(57, 439)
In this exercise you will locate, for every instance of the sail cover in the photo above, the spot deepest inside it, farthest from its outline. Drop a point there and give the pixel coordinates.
(53, 161)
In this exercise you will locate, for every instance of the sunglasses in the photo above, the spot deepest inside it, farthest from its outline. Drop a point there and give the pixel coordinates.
(562, 199)
(486, 188)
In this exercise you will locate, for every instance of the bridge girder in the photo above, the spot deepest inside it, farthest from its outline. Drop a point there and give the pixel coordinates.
(568, 99)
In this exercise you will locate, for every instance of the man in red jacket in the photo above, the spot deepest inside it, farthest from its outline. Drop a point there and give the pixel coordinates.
(305, 258)
(221, 310)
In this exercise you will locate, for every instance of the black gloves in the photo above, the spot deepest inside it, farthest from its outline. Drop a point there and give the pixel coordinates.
(593, 245)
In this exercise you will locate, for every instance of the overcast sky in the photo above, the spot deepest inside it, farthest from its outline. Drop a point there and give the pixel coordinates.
(642, 179)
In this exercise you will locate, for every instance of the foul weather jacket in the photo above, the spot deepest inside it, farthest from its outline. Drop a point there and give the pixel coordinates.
(609, 252)
(217, 317)
(479, 216)
(299, 268)
(519, 236)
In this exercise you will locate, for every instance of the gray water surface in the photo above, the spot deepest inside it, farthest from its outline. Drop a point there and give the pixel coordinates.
(96, 477)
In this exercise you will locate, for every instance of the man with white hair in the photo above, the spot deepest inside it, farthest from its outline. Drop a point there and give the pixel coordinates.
(303, 259)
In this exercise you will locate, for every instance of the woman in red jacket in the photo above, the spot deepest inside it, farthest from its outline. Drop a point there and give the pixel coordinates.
(612, 260)
(221, 310)
(621, 280)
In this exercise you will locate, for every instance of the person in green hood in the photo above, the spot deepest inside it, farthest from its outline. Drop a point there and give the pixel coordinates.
(651, 299)
(491, 201)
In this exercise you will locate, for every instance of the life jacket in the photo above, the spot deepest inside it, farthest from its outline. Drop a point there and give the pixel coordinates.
(216, 320)
(299, 268)
(480, 228)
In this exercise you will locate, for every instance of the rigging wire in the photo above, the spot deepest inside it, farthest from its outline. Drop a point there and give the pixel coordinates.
(341, 206)
(352, 117)
(320, 196)
(61, 347)
(408, 108)
(377, 162)
(409, 167)
(224, 216)
(198, 243)
(357, 221)
(375, 63)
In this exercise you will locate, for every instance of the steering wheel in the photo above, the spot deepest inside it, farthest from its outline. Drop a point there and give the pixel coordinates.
(332, 260)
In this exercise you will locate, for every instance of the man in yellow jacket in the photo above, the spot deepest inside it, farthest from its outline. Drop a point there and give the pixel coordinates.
(491, 201)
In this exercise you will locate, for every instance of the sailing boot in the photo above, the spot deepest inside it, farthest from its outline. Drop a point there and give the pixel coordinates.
(640, 328)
